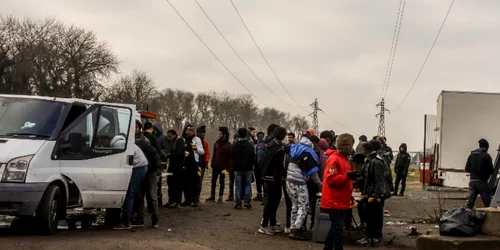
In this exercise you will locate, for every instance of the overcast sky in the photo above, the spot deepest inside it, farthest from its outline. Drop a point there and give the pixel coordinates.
(336, 51)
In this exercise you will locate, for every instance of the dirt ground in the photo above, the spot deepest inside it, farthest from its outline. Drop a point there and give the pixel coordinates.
(219, 226)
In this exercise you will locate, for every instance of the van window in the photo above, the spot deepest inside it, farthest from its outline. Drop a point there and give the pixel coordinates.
(83, 133)
(75, 111)
(113, 127)
(29, 118)
(104, 128)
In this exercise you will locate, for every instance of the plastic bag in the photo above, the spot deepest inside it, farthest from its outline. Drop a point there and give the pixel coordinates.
(461, 222)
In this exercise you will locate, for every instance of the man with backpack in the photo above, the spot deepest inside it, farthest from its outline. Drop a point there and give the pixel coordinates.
(273, 170)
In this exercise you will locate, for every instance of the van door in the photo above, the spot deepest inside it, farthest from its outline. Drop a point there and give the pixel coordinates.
(94, 152)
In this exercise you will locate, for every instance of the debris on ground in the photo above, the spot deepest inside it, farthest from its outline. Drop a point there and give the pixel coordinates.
(414, 232)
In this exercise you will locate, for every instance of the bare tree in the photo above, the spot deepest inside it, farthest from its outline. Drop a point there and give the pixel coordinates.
(45, 57)
(137, 88)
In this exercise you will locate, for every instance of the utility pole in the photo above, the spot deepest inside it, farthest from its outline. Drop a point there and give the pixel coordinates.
(314, 115)
(381, 116)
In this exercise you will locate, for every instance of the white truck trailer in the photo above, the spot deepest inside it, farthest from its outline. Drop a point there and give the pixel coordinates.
(462, 119)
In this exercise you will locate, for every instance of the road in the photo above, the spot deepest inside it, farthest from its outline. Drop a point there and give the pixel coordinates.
(219, 226)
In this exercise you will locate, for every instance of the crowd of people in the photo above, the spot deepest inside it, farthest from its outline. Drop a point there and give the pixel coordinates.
(305, 169)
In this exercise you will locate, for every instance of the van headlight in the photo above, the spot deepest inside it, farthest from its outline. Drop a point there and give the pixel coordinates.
(16, 169)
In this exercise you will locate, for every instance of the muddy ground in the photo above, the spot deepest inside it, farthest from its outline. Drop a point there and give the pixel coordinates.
(219, 226)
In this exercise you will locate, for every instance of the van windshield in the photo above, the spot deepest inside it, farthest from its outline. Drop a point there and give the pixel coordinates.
(29, 118)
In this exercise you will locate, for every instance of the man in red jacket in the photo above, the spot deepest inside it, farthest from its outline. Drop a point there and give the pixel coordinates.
(337, 189)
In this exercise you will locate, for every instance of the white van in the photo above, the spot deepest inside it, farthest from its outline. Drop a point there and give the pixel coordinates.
(57, 154)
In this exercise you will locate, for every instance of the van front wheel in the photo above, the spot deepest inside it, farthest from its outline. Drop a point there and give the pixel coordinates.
(46, 214)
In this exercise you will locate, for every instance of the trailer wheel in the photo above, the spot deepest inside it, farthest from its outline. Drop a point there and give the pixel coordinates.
(47, 212)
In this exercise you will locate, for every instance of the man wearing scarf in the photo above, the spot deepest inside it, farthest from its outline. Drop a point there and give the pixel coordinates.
(193, 152)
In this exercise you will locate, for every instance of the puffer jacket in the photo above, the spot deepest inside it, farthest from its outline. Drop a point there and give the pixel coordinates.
(337, 188)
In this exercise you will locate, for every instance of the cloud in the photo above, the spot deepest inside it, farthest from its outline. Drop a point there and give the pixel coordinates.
(335, 51)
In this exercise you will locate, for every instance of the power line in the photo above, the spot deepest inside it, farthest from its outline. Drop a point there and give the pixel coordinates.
(201, 40)
(265, 59)
(271, 68)
(344, 127)
(238, 55)
(395, 48)
(392, 49)
(428, 55)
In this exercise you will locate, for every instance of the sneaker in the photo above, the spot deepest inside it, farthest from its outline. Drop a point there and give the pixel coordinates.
(173, 205)
(364, 241)
(230, 198)
(123, 226)
(137, 223)
(210, 199)
(266, 230)
(185, 204)
(262, 203)
(155, 224)
(219, 200)
(277, 229)
(375, 242)
(247, 204)
(168, 204)
(287, 230)
(194, 204)
(297, 234)
(258, 197)
(238, 205)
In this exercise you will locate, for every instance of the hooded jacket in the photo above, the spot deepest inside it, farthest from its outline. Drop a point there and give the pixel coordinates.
(273, 166)
(403, 161)
(118, 141)
(242, 155)
(374, 182)
(479, 165)
(176, 155)
(303, 162)
(337, 188)
(221, 158)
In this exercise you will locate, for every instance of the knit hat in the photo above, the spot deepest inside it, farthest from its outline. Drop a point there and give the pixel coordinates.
(236, 135)
(363, 138)
(201, 129)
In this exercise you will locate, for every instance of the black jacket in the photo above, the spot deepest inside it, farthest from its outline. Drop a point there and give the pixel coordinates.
(243, 155)
(373, 182)
(273, 166)
(154, 141)
(176, 155)
(154, 162)
(403, 161)
(479, 165)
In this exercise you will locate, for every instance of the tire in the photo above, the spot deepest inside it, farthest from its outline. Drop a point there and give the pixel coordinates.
(48, 209)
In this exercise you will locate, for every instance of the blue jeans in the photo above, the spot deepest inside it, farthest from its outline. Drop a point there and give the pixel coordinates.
(334, 238)
(136, 179)
(246, 177)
